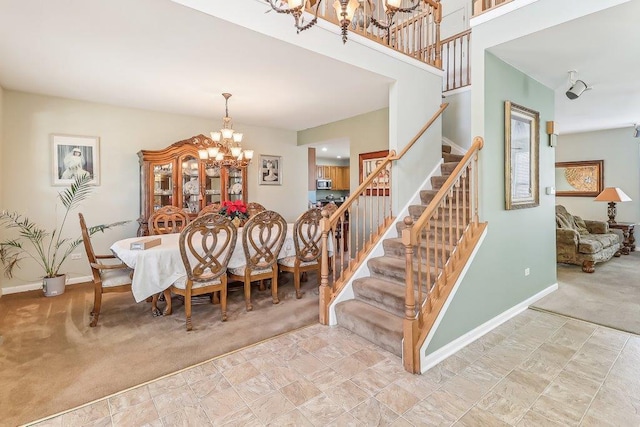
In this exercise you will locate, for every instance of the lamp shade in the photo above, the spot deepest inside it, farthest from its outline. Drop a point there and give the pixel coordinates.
(612, 194)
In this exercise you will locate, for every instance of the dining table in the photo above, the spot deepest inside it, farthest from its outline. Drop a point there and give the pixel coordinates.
(157, 267)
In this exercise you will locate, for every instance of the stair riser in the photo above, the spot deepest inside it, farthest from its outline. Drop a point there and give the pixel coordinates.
(426, 196)
(387, 301)
(390, 338)
(443, 211)
(393, 274)
(446, 149)
(448, 157)
(434, 255)
(447, 168)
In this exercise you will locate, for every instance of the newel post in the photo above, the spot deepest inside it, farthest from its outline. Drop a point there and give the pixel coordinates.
(409, 324)
(325, 292)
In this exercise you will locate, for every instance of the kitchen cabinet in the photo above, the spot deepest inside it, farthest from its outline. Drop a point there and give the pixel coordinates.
(339, 176)
(175, 176)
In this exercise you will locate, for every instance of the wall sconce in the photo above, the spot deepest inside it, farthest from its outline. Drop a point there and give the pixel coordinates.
(636, 131)
(553, 136)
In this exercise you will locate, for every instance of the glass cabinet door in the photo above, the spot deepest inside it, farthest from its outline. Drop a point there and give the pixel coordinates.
(162, 185)
(213, 185)
(234, 184)
(191, 184)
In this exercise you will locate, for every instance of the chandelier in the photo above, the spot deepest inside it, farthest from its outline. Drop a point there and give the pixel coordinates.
(345, 11)
(225, 150)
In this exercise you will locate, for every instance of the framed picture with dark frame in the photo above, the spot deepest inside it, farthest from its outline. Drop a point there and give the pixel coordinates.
(73, 156)
(270, 170)
(368, 162)
(579, 178)
(521, 151)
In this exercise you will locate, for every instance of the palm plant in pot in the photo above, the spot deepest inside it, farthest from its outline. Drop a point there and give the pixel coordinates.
(49, 249)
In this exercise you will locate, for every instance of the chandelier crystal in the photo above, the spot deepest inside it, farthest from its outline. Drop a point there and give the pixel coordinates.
(224, 149)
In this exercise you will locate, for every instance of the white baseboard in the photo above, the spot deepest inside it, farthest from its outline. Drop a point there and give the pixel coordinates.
(35, 286)
(454, 346)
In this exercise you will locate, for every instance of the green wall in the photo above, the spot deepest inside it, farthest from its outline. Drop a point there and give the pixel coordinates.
(516, 239)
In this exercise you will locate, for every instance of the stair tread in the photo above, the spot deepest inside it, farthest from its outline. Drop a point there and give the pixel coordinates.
(372, 323)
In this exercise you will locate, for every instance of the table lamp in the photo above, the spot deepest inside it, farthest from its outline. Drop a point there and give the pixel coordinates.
(612, 195)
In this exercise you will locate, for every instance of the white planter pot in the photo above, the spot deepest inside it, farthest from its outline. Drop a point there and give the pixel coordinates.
(53, 286)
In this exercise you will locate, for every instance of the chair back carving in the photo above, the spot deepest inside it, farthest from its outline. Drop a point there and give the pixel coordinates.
(254, 208)
(168, 219)
(308, 236)
(206, 245)
(86, 239)
(262, 239)
(212, 208)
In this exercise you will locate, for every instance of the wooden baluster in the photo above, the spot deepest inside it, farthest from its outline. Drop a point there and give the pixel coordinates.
(324, 291)
(410, 331)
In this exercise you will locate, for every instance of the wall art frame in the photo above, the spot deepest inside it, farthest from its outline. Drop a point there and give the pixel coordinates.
(522, 161)
(270, 168)
(368, 162)
(74, 155)
(583, 178)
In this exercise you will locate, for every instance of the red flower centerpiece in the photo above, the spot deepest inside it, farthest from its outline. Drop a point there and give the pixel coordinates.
(236, 211)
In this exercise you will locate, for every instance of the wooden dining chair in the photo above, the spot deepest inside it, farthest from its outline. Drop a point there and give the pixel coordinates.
(262, 239)
(212, 208)
(206, 245)
(307, 240)
(168, 219)
(107, 277)
(254, 208)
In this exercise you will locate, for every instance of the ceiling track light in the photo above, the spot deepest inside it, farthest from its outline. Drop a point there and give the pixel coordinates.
(577, 86)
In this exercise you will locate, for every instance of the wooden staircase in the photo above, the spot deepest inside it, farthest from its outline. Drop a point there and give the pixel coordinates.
(378, 310)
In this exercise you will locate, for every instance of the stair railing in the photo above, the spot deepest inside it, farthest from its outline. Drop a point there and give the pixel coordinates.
(437, 247)
(416, 33)
(455, 60)
(481, 6)
(352, 231)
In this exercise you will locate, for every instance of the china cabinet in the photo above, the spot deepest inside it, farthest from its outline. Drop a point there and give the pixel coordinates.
(175, 176)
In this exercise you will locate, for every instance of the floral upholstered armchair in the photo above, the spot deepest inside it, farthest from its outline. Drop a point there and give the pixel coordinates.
(583, 242)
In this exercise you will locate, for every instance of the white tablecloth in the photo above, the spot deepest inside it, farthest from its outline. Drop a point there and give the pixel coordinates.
(158, 267)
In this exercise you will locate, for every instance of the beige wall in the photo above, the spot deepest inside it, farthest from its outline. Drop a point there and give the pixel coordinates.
(26, 164)
(621, 154)
(365, 133)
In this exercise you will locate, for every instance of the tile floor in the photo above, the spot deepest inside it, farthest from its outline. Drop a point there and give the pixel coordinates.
(537, 369)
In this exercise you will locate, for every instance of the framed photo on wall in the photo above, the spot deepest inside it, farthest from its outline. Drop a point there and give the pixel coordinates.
(75, 156)
(381, 184)
(270, 170)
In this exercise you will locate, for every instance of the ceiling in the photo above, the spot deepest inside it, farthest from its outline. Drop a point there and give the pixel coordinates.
(161, 56)
(603, 49)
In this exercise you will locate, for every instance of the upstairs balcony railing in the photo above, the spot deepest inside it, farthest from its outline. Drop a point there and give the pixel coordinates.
(481, 6)
(415, 33)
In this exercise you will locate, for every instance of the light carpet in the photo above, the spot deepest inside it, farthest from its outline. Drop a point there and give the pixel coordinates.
(610, 296)
(51, 361)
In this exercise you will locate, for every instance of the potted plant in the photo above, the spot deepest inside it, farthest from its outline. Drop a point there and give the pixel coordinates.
(49, 249)
(236, 211)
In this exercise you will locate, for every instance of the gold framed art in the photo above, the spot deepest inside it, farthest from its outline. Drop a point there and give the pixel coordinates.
(579, 178)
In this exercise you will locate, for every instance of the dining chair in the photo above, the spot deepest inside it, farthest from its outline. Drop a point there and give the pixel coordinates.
(107, 277)
(168, 219)
(262, 239)
(254, 208)
(212, 208)
(307, 240)
(206, 245)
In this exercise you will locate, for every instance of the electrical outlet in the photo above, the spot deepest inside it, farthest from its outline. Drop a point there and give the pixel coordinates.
(75, 256)
(526, 271)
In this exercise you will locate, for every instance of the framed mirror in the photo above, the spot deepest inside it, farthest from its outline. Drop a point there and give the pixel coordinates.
(521, 148)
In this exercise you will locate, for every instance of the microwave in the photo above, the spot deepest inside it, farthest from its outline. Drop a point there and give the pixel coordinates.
(323, 184)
